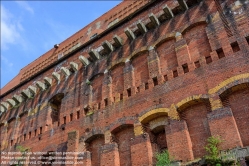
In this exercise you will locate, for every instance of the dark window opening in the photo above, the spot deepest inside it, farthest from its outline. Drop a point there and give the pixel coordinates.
(121, 96)
(39, 138)
(31, 123)
(11, 143)
(129, 92)
(86, 110)
(114, 99)
(185, 68)
(78, 115)
(106, 102)
(24, 137)
(197, 64)
(175, 73)
(155, 81)
(192, 3)
(138, 89)
(247, 39)
(55, 103)
(71, 117)
(99, 105)
(208, 59)
(220, 53)
(235, 47)
(29, 134)
(40, 130)
(35, 132)
(146, 85)
(64, 120)
(165, 78)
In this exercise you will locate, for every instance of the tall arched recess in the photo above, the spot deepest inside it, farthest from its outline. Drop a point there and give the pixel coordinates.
(237, 98)
(195, 115)
(55, 103)
(141, 70)
(167, 54)
(197, 41)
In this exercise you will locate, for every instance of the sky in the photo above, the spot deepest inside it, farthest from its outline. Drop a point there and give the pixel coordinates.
(31, 28)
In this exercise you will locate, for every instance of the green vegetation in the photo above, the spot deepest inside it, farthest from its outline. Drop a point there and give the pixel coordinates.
(213, 158)
(163, 159)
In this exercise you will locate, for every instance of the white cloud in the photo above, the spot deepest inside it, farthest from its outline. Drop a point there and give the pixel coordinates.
(26, 6)
(10, 29)
(6, 61)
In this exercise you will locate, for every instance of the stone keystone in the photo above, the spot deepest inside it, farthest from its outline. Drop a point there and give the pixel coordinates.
(74, 66)
(56, 76)
(84, 60)
(40, 85)
(5, 105)
(94, 54)
(118, 40)
(107, 46)
(154, 19)
(168, 11)
(48, 81)
(26, 93)
(11, 102)
(32, 89)
(141, 26)
(17, 98)
(129, 34)
(65, 71)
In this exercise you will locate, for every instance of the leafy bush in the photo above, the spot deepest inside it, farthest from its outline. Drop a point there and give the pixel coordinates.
(213, 158)
(163, 159)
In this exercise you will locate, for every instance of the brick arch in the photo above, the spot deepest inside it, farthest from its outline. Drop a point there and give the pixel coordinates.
(138, 52)
(121, 122)
(189, 26)
(197, 40)
(192, 100)
(94, 76)
(235, 95)
(115, 65)
(162, 40)
(228, 84)
(145, 117)
(92, 134)
(193, 110)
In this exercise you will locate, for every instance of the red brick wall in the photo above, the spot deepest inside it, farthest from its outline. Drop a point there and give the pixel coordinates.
(94, 147)
(239, 103)
(124, 137)
(196, 119)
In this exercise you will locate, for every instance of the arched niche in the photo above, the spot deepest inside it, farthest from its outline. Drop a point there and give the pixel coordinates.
(237, 98)
(55, 104)
(166, 51)
(194, 112)
(93, 145)
(123, 135)
(96, 83)
(197, 41)
(117, 75)
(141, 71)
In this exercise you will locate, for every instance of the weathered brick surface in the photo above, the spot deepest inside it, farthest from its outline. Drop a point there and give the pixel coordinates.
(192, 67)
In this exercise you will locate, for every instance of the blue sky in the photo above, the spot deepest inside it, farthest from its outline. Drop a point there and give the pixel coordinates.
(31, 28)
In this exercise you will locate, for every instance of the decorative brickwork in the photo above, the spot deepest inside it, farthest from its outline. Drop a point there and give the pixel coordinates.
(144, 77)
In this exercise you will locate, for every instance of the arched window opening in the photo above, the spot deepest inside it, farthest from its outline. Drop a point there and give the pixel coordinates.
(55, 103)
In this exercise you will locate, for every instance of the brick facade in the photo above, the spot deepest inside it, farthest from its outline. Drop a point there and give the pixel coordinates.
(158, 75)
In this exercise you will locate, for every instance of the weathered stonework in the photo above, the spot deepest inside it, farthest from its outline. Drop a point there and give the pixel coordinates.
(144, 77)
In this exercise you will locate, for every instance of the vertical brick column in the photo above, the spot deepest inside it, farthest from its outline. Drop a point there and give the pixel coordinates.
(107, 87)
(109, 155)
(220, 118)
(3, 138)
(72, 145)
(178, 140)
(129, 80)
(141, 150)
(154, 65)
(182, 51)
